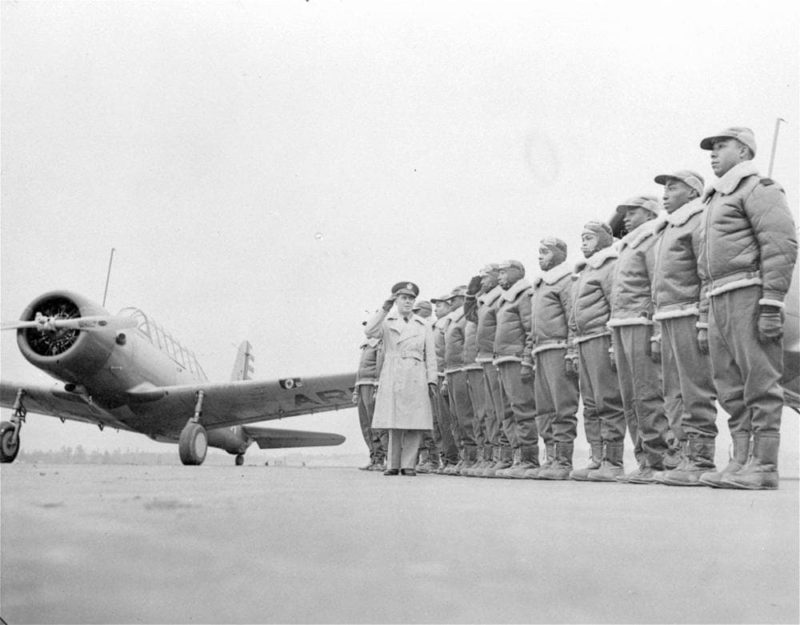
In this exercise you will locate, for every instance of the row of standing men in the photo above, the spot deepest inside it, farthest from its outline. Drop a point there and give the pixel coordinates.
(650, 331)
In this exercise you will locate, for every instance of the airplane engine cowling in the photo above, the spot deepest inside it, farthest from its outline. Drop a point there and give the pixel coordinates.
(67, 355)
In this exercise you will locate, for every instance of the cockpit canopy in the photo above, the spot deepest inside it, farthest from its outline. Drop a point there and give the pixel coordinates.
(164, 341)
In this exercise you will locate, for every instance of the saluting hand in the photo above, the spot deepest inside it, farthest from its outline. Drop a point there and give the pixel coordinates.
(387, 305)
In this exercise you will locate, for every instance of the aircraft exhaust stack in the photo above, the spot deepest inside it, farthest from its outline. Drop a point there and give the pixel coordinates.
(66, 345)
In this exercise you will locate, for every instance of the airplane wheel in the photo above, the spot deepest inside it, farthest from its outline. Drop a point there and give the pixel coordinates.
(193, 444)
(8, 450)
(239, 460)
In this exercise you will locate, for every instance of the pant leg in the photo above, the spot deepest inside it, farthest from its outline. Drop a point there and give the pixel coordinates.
(478, 400)
(563, 392)
(459, 396)
(670, 382)
(395, 448)
(504, 417)
(517, 383)
(693, 372)
(604, 386)
(648, 401)
(545, 404)
(627, 395)
(746, 372)
(444, 428)
(410, 440)
(366, 408)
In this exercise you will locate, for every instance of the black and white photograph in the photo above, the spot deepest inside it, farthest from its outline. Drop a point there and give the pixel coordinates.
(350, 311)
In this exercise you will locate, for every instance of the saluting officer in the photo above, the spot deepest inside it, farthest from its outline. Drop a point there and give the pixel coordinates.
(749, 254)
(632, 323)
(679, 298)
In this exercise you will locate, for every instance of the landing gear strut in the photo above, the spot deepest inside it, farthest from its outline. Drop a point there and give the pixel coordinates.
(193, 442)
(9, 430)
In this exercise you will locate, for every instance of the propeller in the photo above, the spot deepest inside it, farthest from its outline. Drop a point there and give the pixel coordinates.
(89, 323)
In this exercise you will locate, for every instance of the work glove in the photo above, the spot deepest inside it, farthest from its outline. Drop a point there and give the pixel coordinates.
(474, 285)
(355, 397)
(655, 349)
(702, 340)
(770, 324)
(612, 358)
(443, 387)
(571, 367)
(432, 390)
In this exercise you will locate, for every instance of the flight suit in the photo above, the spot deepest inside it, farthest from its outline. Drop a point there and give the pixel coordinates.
(556, 393)
(749, 255)
(688, 386)
(603, 414)
(443, 426)
(516, 378)
(633, 327)
(366, 386)
(460, 404)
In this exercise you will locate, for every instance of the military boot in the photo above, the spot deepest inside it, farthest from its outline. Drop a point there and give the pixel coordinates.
(504, 461)
(761, 473)
(455, 469)
(549, 453)
(698, 459)
(741, 451)
(421, 461)
(683, 459)
(528, 459)
(484, 458)
(561, 466)
(581, 475)
(515, 461)
(611, 466)
(470, 459)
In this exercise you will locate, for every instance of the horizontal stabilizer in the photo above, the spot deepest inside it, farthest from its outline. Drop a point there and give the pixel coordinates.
(273, 438)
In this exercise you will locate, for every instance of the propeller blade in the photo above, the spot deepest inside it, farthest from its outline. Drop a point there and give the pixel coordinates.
(89, 323)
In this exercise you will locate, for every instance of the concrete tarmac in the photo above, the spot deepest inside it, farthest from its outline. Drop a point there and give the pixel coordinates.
(255, 544)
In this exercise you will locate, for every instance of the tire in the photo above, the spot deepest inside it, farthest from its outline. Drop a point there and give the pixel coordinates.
(8, 451)
(193, 444)
(239, 460)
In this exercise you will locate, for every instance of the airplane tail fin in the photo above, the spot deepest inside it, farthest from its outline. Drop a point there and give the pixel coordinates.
(243, 368)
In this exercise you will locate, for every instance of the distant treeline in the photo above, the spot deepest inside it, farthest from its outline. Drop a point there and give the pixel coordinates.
(80, 455)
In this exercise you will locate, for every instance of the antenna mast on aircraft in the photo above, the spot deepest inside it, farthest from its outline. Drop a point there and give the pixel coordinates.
(774, 145)
(108, 276)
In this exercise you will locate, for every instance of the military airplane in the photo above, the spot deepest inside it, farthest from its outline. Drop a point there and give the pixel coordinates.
(126, 372)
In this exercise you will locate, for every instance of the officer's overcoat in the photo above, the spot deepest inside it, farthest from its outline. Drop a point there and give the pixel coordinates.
(409, 366)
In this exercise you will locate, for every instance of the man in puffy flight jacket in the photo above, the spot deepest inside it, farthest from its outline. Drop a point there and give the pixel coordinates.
(749, 255)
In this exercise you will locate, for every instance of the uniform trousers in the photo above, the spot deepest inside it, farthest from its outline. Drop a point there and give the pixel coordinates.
(746, 372)
(556, 397)
(403, 448)
(443, 427)
(640, 380)
(461, 407)
(376, 440)
(501, 426)
(516, 389)
(688, 385)
(477, 396)
(603, 415)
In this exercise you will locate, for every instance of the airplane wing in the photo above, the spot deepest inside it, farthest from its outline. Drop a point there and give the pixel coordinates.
(165, 410)
(272, 438)
(55, 401)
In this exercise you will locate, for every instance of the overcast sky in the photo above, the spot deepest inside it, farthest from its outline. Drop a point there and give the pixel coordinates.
(268, 170)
